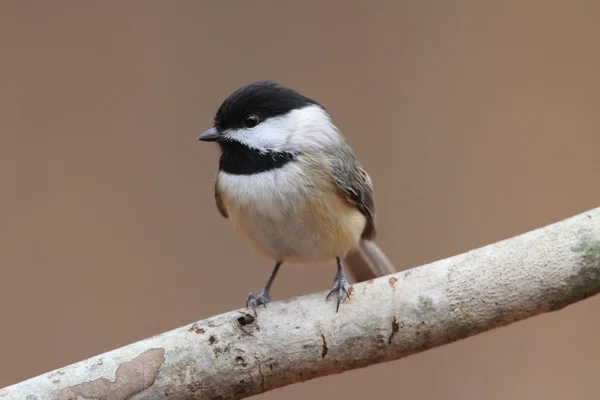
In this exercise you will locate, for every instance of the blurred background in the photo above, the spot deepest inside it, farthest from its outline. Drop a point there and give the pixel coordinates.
(477, 122)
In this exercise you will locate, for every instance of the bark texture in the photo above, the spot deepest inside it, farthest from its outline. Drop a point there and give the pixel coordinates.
(234, 355)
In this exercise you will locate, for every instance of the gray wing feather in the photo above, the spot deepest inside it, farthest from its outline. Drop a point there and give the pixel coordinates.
(219, 200)
(352, 178)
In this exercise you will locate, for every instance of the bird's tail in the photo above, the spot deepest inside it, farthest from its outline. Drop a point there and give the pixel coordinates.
(368, 261)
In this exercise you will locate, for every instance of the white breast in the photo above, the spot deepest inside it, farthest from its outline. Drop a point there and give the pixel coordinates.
(287, 215)
(272, 194)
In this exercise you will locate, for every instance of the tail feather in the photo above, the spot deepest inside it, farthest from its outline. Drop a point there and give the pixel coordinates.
(368, 261)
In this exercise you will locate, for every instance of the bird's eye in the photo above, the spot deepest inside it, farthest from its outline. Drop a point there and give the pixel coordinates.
(250, 121)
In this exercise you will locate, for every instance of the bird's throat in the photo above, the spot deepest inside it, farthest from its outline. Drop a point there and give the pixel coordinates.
(239, 159)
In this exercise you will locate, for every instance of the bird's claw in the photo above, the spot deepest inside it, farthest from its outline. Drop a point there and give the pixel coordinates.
(341, 286)
(261, 300)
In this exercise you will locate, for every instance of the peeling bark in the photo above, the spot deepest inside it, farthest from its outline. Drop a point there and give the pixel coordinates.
(131, 377)
(236, 355)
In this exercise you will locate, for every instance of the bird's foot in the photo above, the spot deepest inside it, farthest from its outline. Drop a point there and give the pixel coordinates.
(341, 286)
(261, 300)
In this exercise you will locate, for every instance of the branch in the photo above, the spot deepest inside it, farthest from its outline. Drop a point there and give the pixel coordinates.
(234, 355)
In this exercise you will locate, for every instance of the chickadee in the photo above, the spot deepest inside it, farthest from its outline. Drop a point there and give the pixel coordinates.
(292, 187)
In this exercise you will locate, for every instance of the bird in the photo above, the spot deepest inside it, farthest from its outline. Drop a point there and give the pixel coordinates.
(292, 188)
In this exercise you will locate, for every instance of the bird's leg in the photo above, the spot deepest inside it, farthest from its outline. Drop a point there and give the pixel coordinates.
(340, 284)
(265, 294)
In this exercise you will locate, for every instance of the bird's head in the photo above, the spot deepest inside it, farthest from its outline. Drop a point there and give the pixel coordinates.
(269, 117)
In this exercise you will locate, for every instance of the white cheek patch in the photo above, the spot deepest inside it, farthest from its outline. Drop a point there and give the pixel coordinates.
(268, 135)
(306, 128)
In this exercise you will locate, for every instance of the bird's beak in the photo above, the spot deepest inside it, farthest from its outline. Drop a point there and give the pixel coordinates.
(209, 135)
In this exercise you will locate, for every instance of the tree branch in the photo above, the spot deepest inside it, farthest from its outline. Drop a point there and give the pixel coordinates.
(234, 355)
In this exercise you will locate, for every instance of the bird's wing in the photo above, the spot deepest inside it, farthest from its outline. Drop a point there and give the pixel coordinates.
(357, 187)
(219, 200)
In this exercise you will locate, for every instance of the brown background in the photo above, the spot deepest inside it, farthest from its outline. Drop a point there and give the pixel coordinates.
(477, 122)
